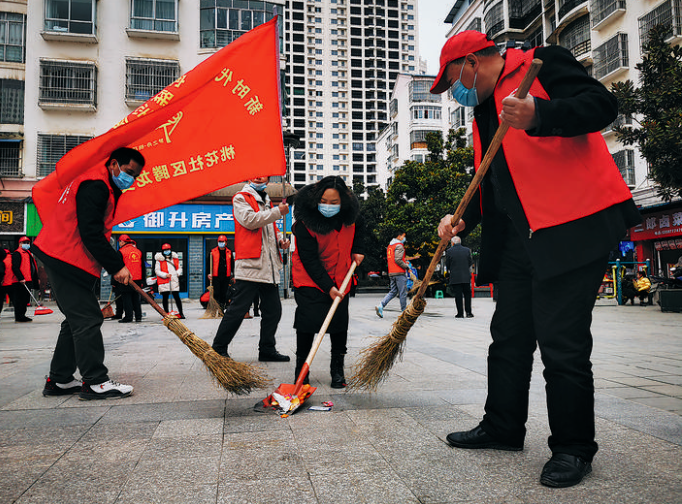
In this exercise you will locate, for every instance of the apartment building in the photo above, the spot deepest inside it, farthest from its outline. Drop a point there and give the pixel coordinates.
(607, 37)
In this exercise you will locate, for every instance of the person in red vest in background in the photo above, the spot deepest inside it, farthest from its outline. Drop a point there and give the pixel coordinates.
(74, 247)
(329, 237)
(132, 257)
(221, 271)
(5, 275)
(397, 269)
(257, 264)
(24, 277)
(168, 272)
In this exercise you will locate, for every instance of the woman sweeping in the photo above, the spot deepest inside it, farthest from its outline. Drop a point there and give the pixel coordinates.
(329, 236)
(168, 269)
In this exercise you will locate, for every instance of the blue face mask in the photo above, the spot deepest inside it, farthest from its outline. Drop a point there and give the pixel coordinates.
(166, 252)
(464, 96)
(258, 187)
(25, 246)
(328, 210)
(124, 180)
(221, 244)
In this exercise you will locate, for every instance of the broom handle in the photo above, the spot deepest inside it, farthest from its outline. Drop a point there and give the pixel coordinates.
(480, 173)
(337, 300)
(149, 299)
(32, 296)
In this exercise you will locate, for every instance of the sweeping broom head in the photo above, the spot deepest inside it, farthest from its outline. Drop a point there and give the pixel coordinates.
(235, 377)
(378, 359)
(213, 309)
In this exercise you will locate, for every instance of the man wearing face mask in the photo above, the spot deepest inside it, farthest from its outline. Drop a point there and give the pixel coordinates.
(74, 247)
(221, 271)
(257, 265)
(397, 269)
(25, 276)
(552, 182)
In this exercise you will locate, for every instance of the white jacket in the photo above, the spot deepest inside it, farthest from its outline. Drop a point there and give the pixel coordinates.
(174, 284)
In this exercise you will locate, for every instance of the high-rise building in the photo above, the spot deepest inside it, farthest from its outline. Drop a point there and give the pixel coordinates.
(343, 58)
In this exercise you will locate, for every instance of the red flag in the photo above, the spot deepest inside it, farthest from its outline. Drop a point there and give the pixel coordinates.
(218, 124)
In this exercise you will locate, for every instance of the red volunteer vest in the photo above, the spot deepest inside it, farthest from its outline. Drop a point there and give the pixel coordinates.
(8, 278)
(27, 261)
(132, 257)
(59, 238)
(558, 179)
(164, 268)
(215, 254)
(334, 249)
(393, 267)
(248, 243)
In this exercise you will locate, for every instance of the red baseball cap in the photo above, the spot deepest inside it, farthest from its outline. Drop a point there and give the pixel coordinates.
(456, 47)
(24, 239)
(166, 246)
(222, 238)
(124, 238)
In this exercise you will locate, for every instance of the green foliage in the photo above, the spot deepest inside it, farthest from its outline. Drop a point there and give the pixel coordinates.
(372, 209)
(657, 105)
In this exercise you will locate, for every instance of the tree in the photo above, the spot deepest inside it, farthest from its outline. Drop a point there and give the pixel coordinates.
(372, 209)
(422, 193)
(657, 107)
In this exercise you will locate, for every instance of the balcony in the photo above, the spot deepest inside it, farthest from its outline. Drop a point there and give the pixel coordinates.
(602, 12)
(611, 58)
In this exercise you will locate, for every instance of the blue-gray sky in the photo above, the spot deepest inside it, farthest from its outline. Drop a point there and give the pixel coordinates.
(432, 30)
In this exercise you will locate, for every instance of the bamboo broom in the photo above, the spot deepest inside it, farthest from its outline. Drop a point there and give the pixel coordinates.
(213, 310)
(236, 377)
(377, 360)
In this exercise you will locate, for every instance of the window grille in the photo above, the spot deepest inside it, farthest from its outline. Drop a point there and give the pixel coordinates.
(494, 20)
(611, 56)
(475, 24)
(576, 37)
(566, 6)
(154, 15)
(668, 13)
(10, 158)
(625, 160)
(419, 136)
(601, 9)
(145, 78)
(11, 101)
(68, 82)
(51, 148)
(419, 91)
(70, 16)
(426, 112)
(221, 25)
(523, 12)
(458, 118)
(12, 37)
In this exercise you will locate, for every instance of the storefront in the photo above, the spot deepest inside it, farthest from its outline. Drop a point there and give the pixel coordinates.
(659, 238)
(12, 223)
(192, 231)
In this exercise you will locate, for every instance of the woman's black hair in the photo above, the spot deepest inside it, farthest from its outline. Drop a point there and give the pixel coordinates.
(307, 199)
(332, 182)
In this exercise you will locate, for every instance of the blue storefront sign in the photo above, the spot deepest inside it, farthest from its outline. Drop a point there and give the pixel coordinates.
(186, 219)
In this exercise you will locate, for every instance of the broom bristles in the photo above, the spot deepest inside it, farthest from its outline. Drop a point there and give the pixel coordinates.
(378, 359)
(235, 377)
(213, 309)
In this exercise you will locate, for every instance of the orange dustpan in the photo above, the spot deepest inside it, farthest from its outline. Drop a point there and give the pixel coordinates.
(40, 309)
(287, 398)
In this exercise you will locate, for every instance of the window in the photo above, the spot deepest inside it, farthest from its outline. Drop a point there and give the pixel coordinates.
(51, 148)
(70, 16)
(12, 37)
(625, 160)
(221, 25)
(419, 91)
(145, 78)
(668, 13)
(425, 112)
(11, 101)
(154, 15)
(10, 158)
(611, 56)
(68, 82)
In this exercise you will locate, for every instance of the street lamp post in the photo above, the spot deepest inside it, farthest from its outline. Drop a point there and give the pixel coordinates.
(290, 140)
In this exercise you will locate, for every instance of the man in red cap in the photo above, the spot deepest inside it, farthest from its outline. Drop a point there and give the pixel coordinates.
(221, 271)
(132, 258)
(24, 276)
(553, 184)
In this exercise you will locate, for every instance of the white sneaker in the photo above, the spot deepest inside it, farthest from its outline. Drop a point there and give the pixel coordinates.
(105, 390)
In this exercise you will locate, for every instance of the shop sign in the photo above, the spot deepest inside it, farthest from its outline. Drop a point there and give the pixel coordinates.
(659, 225)
(12, 217)
(675, 244)
(185, 219)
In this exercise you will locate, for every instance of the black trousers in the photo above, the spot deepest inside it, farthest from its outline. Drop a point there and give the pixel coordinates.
(131, 302)
(79, 344)
(221, 286)
(20, 299)
(271, 313)
(304, 341)
(555, 315)
(462, 290)
(176, 297)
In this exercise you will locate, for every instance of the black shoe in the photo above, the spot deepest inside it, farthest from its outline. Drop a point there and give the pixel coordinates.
(470, 315)
(125, 321)
(116, 317)
(564, 470)
(24, 319)
(459, 315)
(476, 439)
(336, 369)
(222, 353)
(52, 388)
(273, 357)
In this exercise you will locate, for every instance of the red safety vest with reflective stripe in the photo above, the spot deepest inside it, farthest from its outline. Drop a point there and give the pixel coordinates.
(59, 238)
(335, 253)
(132, 258)
(248, 243)
(393, 267)
(215, 254)
(164, 267)
(582, 178)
